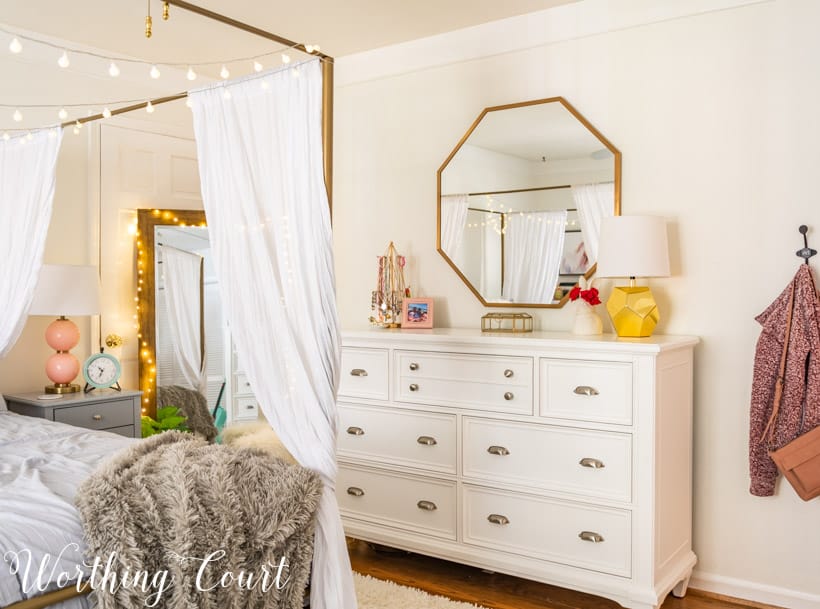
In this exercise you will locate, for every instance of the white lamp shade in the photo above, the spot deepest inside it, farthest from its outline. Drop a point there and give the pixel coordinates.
(65, 289)
(633, 246)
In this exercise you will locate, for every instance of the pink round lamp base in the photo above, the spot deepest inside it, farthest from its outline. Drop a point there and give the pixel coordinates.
(62, 335)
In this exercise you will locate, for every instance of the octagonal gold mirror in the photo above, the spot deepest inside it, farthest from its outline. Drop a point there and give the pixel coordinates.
(520, 202)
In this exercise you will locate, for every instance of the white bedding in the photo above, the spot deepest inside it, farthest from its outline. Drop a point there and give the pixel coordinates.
(41, 465)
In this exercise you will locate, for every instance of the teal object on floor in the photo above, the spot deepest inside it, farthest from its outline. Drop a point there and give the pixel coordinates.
(220, 415)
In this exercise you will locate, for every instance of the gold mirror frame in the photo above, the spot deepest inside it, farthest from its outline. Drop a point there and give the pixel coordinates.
(147, 221)
(617, 160)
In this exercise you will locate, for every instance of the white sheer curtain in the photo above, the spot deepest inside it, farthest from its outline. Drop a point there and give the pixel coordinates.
(453, 222)
(594, 202)
(28, 174)
(182, 291)
(533, 247)
(259, 143)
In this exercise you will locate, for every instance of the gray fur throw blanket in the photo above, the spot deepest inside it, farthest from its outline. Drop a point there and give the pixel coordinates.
(193, 405)
(176, 523)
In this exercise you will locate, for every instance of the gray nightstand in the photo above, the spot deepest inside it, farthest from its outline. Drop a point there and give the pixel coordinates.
(107, 410)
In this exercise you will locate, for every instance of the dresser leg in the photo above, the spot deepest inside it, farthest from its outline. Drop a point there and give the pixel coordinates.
(679, 591)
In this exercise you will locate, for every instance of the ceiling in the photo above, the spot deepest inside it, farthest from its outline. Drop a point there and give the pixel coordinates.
(116, 27)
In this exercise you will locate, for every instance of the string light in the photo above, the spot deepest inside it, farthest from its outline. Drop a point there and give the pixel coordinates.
(154, 72)
(226, 94)
(149, 108)
(62, 114)
(15, 46)
(190, 74)
(258, 67)
(6, 136)
(224, 73)
(17, 116)
(106, 112)
(285, 58)
(29, 136)
(77, 129)
(188, 102)
(113, 70)
(63, 61)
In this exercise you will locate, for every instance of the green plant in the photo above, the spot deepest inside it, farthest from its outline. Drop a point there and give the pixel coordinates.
(168, 418)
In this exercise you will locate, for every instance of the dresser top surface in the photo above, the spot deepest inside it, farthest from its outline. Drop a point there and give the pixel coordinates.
(71, 399)
(538, 339)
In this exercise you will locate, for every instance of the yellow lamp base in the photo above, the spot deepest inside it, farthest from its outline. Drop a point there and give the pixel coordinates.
(633, 311)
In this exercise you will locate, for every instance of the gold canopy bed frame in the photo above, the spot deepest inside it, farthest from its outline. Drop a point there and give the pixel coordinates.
(58, 596)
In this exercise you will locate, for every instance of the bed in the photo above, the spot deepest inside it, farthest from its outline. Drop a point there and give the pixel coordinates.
(41, 465)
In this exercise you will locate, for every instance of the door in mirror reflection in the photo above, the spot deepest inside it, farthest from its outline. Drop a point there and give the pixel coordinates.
(521, 200)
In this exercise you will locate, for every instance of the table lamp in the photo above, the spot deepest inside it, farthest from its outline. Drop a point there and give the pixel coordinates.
(633, 246)
(63, 290)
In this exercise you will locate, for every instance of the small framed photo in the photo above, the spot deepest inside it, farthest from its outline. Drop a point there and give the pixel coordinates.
(417, 313)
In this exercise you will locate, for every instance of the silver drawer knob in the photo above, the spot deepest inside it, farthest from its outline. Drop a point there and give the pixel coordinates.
(358, 372)
(355, 491)
(592, 463)
(414, 387)
(427, 440)
(427, 506)
(585, 390)
(591, 536)
(508, 396)
(508, 373)
(498, 450)
(355, 431)
(250, 406)
(414, 366)
(97, 417)
(498, 519)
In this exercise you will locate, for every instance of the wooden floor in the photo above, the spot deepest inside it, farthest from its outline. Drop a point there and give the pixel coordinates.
(495, 591)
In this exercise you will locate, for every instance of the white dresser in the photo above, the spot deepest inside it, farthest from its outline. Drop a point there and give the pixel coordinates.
(557, 458)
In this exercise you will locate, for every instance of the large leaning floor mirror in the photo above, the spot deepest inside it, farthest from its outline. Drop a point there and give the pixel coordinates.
(521, 199)
(185, 343)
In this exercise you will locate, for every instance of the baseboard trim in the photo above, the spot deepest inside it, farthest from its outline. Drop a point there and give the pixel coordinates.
(751, 594)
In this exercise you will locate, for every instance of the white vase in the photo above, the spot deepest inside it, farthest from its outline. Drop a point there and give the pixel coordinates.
(587, 321)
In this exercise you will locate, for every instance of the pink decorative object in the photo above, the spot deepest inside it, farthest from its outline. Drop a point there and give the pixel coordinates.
(417, 313)
(62, 335)
(62, 368)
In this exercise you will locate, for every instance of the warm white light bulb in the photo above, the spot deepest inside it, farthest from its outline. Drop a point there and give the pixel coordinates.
(63, 114)
(224, 73)
(309, 48)
(257, 67)
(15, 46)
(226, 94)
(190, 75)
(189, 103)
(113, 70)
(63, 61)
(17, 116)
(285, 58)
(265, 85)
(29, 136)
(149, 107)
(6, 136)
(76, 130)
(154, 72)
(106, 113)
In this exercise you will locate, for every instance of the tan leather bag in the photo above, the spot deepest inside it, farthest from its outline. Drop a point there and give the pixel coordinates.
(799, 460)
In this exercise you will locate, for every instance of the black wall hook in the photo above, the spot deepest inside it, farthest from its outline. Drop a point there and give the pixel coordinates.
(806, 252)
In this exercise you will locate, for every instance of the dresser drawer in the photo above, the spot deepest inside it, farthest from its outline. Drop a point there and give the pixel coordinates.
(480, 382)
(100, 415)
(405, 502)
(549, 529)
(587, 391)
(242, 384)
(363, 373)
(246, 408)
(593, 463)
(398, 437)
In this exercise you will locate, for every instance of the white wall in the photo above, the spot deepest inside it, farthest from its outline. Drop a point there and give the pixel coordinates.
(23, 369)
(715, 113)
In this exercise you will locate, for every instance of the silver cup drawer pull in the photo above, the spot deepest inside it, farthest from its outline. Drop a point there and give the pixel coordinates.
(414, 387)
(498, 519)
(355, 491)
(498, 450)
(427, 440)
(508, 396)
(414, 366)
(591, 463)
(358, 372)
(427, 506)
(97, 417)
(355, 431)
(591, 536)
(585, 390)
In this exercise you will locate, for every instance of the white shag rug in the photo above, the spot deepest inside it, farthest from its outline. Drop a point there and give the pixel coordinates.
(377, 594)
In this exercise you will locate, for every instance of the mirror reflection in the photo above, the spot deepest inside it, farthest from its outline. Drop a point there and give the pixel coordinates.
(521, 202)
